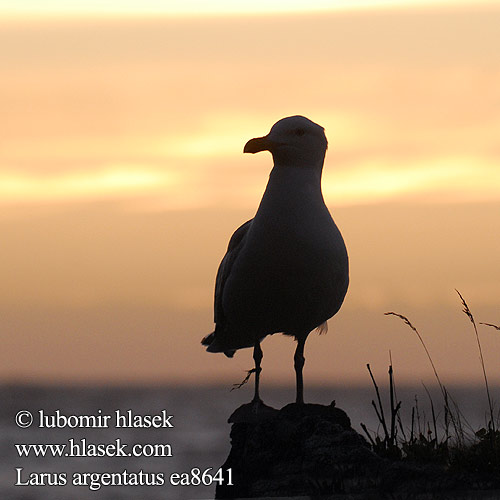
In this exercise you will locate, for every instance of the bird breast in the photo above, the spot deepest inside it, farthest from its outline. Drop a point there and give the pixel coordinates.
(292, 271)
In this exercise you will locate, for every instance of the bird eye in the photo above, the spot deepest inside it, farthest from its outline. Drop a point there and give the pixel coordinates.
(299, 131)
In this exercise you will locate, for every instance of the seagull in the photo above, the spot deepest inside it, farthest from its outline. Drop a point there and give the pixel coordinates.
(286, 270)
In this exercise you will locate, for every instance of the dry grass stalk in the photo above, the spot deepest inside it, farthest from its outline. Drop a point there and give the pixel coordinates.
(454, 416)
(468, 312)
(490, 324)
(408, 322)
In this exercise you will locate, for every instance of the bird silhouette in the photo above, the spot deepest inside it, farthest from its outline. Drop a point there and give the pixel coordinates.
(286, 270)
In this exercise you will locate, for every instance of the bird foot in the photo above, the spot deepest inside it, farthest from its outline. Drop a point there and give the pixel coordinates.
(252, 412)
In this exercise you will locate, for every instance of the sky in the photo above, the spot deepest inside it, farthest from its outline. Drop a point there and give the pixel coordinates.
(122, 178)
(201, 7)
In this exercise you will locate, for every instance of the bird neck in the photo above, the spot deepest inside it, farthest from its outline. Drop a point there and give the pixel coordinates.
(292, 188)
(292, 194)
(296, 178)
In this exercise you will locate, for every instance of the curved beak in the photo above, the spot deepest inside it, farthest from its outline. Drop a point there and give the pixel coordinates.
(258, 144)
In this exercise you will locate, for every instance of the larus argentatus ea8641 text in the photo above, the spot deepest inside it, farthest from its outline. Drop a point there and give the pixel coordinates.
(286, 270)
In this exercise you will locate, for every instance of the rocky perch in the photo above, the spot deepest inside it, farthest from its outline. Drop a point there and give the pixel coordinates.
(311, 450)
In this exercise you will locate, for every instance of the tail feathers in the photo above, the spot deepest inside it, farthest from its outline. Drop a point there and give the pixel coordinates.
(210, 341)
(323, 328)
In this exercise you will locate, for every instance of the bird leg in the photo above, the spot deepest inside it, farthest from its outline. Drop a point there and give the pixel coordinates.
(257, 357)
(299, 361)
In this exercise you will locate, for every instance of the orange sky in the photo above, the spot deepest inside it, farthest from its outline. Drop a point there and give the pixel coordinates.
(122, 177)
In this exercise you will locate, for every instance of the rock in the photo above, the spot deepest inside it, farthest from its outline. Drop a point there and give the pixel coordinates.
(311, 451)
(299, 450)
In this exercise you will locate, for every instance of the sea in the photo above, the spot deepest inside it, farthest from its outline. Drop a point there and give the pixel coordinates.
(168, 442)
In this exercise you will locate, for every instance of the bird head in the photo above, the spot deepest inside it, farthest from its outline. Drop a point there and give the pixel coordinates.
(294, 140)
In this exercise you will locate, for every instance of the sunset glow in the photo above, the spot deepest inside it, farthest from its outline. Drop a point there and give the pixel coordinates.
(201, 7)
(74, 187)
(122, 174)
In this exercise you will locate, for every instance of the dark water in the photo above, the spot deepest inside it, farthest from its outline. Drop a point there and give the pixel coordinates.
(199, 438)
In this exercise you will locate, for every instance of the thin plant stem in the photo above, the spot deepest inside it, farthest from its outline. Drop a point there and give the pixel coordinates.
(380, 415)
(468, 312)
(456, 420)
(490, 324)
(408, 322)
(434, 422)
